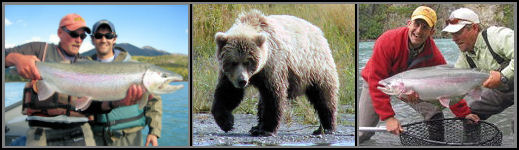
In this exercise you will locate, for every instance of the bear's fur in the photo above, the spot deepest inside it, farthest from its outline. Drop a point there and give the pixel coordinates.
(283, 57)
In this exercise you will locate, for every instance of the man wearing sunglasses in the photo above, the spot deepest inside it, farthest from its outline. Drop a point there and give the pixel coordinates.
(395, 51)
(128, 120)
(55, 122)
(489, 50)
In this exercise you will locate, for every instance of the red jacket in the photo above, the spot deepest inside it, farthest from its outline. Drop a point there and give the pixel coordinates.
(390, 57)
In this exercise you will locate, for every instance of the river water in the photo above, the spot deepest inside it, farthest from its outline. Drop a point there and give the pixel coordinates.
(504, 121)
(175, 121)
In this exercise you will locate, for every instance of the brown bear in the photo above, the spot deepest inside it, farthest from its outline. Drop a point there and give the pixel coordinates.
(283, 57)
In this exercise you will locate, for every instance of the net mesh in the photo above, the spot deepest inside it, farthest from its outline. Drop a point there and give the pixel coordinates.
(452, 131)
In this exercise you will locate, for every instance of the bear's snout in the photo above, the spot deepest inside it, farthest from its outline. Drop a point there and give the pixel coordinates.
(242, 83)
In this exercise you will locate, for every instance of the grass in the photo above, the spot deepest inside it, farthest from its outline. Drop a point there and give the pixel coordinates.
(174, 62)
(336, 21)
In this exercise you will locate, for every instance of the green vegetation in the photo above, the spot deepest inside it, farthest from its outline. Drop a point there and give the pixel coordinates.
(507, 20)
(336, 21)
(374, 19)
(174, 62)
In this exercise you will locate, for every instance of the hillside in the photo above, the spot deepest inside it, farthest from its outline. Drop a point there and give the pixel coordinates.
(374, 19)
(133, 50)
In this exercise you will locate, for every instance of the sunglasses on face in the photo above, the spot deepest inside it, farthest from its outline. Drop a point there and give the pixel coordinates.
(106, 35)
(456, 21)
(74, 34)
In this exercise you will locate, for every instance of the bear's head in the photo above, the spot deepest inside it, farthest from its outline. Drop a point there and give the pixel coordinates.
(241, 56)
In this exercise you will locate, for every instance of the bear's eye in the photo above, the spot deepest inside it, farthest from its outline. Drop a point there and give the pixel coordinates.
(234, 64)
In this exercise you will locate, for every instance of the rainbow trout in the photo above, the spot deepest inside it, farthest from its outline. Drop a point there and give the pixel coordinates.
(103, 81)
(436, 83)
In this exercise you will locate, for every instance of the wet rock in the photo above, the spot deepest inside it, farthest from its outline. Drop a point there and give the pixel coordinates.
(206, 132)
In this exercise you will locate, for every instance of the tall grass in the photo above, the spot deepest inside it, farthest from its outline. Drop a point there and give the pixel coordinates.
(336, 21)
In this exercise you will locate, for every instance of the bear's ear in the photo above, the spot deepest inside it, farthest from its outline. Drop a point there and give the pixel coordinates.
(220, 39)
(260, 39)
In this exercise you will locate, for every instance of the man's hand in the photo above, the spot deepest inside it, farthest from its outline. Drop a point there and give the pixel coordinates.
(393, 126)
(409, 97)
(25, 65)
(134, 94)
(153, 139)
(473, 117)
(493, 81)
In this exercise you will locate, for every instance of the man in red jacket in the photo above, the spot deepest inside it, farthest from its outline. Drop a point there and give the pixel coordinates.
(395, 51)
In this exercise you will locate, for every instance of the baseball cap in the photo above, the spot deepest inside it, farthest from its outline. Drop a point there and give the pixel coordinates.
(425, 13)
(103, 22)
(73, 22)
(459, 18)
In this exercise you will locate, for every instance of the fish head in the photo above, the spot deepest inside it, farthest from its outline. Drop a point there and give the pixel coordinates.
(391, 87)
(157, 80)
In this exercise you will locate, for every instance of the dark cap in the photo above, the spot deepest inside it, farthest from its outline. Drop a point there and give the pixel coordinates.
(102, 22)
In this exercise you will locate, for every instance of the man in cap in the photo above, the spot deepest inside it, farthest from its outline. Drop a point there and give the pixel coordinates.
(55, 121)
(123, 125)
(489, 50)
(395, 51)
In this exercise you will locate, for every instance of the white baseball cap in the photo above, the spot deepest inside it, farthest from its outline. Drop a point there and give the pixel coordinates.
(459, 18)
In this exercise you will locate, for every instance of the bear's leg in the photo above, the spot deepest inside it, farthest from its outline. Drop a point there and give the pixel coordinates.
(269, 111)
(324, 101)
(226, 99)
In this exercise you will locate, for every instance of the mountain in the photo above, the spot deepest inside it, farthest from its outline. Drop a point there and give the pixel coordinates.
(134, 50)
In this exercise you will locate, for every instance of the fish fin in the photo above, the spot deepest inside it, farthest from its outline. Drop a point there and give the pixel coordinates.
(475, 94)
(144, 100)
(444, 101)
(82, 103)
(44, 90)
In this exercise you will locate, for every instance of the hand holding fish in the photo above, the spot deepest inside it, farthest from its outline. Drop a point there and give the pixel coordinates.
(25, 65)
(135, 93)
(473, 117)
(393, 126)
(494, 80)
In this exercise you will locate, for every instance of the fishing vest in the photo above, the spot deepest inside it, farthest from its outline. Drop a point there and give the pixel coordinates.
(57, 104)
(121, 117)
(501, 61)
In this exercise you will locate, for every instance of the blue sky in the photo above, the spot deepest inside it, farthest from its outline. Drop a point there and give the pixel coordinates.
(164, 27)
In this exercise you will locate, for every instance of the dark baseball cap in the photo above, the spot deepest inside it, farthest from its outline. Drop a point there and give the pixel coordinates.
(103, 22)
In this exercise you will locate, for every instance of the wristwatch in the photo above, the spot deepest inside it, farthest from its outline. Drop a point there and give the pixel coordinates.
(503, 78)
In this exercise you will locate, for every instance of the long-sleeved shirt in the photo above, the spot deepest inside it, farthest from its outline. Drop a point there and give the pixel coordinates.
(390, 57)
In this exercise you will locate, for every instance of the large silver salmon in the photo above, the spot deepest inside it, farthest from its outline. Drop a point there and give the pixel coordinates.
(103, 81)
(436, 83)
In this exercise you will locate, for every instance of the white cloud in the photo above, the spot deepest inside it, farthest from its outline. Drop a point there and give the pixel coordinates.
(187, 31)
(53, 38)
(87, 45)
(7, 22)
(9, 45)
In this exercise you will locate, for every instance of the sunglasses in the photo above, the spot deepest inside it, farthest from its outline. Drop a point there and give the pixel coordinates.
(106, 35)
(456, 21)
(74, 34)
